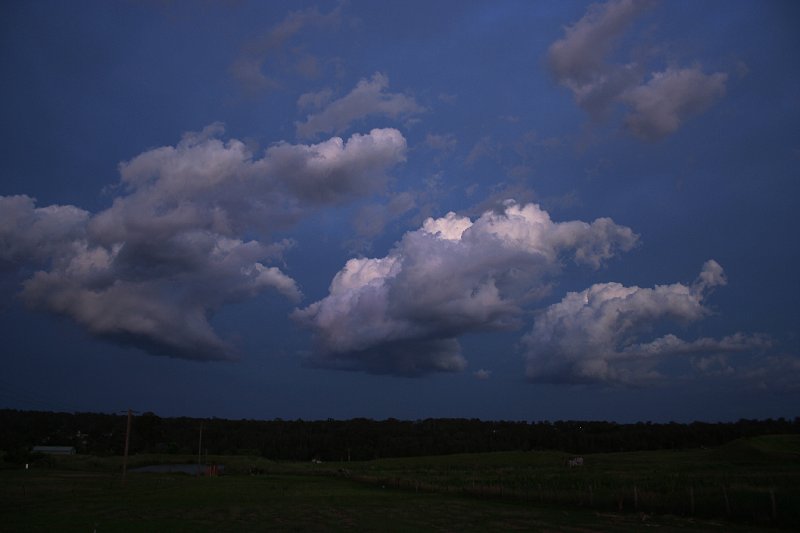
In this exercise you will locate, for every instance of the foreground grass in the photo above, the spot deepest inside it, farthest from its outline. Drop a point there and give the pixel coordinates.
(755, 481)
(745, 486)
(80, 501)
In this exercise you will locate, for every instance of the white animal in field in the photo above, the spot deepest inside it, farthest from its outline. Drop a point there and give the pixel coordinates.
(575, 461)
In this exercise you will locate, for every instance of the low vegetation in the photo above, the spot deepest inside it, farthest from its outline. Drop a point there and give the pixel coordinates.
(746, 485)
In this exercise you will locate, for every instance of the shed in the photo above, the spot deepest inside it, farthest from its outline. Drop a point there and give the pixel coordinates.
(54, 450)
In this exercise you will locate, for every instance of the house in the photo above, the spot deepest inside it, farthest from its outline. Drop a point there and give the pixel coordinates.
(54, 450)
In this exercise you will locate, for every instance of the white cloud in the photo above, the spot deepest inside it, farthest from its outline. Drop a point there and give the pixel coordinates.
(369, 97)
(669, 98)
(593, 335)
(153, 268)
(401, 314)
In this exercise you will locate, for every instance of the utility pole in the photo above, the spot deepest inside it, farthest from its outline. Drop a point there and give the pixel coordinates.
(127, 442)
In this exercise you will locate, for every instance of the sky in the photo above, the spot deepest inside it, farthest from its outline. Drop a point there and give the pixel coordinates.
(504, 210)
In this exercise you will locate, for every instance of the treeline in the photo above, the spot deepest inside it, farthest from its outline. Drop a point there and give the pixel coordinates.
(359, 438)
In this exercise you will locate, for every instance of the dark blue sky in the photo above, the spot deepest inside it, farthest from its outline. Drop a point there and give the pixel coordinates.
(501, 210)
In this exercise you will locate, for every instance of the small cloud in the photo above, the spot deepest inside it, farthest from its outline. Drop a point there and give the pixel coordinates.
(448, 98)
(444, 143)
(369, 97)
(482, 374)
(578, 60)
(248, 68)
(742, 69)
(314, 101)
(670, 97)
(484, 148)
(659, 106)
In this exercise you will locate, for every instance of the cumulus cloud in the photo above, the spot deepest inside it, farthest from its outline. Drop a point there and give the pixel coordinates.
(669, 98)
(593, 336)
(369, 97)
(580, 62)
(402, 314)
(153, 268)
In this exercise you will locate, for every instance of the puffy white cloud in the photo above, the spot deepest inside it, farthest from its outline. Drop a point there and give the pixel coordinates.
(369, 97)
(170, 251)
(204, 181)
(669, 98)
(579, 62)
(402, 313)
(593, 335)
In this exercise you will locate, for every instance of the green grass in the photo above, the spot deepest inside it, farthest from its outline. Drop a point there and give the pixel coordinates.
(525, 491)
(749, 481)
(47, 500)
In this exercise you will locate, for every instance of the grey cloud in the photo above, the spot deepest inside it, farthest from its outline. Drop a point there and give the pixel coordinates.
(444, 143)
(450, 277)
(316, 100)
(775, 373)
(162, 306)
(369, 97)
(30, 233)
(592, 336)
(154, 267)
(401, 357)
(248, 68)
(372, 219)
(334, 170)
(669, 98)
(482, 374)
(579, 62)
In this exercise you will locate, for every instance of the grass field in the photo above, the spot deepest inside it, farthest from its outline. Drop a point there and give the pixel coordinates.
(745, 486)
